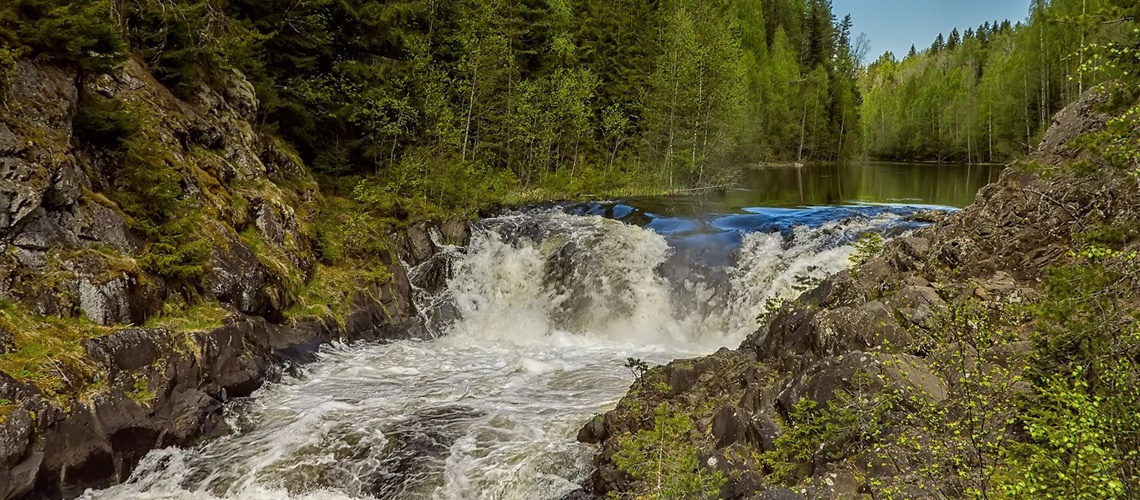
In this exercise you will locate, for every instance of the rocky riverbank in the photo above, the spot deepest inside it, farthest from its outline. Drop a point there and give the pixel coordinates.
(157, 259)
(868, 386)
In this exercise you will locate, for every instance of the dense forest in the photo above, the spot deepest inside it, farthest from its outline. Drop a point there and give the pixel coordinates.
(577, 95)
(986, 94)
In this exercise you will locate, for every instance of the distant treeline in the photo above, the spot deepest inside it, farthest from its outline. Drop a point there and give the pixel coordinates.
(505, 92)
(988, 93)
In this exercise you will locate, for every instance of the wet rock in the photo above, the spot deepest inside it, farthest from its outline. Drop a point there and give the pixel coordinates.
(418, 247)
(594, 431)
(928, 216)
(455, 231)
(18, 459)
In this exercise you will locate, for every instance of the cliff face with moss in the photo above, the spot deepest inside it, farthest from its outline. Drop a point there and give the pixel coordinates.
(158, 256)
(994, 354)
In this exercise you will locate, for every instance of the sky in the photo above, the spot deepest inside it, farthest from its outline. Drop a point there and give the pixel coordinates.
(896, 24)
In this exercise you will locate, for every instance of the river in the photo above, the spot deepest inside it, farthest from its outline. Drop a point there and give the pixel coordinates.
(547, 306)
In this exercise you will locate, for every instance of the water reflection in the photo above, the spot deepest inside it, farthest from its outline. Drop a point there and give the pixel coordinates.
(831, 184)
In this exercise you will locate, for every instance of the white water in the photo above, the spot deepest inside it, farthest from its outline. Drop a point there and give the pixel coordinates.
(550, 307)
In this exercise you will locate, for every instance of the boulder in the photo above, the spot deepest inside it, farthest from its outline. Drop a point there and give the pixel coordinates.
(455, 231)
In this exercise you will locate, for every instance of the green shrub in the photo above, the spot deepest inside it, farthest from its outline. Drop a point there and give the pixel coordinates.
(77, 32)
(664, 461)
(105, 123)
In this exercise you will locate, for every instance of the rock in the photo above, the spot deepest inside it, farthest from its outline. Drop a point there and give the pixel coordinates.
(835, 483)
(778, 493)
(594, 431)
(108, 302)
(456, 231)
(863, 373)
(1075, 120)
(766, 431)
(418, 245)
(42, 233)
(7, 340)
(66, 188)
(928, 216)
(238, 278)
(729, 426)
(95, 222)
(917, 305)
(18, 459)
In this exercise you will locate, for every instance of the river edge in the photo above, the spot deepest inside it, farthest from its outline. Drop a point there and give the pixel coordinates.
(168, 388)
(877, 330)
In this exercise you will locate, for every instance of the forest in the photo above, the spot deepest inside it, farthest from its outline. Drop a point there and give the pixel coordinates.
(987, 94)
(437, 100)
(433, 98)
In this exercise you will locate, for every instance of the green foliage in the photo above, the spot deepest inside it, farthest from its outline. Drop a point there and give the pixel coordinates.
(331, 289)
(182, 317)
(73, 32)
(842, 426)
(140, 392)
(1084, 431)
(990, 97)
(637, 367)
(1073, 451)
(868, 246)
(105, 123)
(49, 351)
(665, 462)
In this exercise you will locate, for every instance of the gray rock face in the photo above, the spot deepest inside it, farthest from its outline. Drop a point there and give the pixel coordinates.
(106, 303)
(238, 278)
(456, 231)
(187, 377)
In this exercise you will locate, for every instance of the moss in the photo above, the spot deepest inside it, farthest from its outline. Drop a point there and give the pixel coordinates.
(7, 406)
(49, 352)
(141, 393)
(331, 289)
(180, 317)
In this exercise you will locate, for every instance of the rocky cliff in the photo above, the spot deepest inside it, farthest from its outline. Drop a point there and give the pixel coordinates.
(151, 248)
(852, 390)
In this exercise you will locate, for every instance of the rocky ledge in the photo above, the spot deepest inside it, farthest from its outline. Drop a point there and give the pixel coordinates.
(161, 388)
(875, 330)
(123, 204)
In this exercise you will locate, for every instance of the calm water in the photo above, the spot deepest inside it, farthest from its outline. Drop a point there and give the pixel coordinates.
(550, 303)
(833, 184)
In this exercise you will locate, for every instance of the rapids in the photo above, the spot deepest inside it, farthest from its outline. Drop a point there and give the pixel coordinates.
(528, 341)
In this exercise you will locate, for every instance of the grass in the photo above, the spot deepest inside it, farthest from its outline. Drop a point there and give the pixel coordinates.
(179, 317)
(141, 392)
(49, 351)
(331, 288)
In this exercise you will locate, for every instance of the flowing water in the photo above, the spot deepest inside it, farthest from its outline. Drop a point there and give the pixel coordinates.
(528, 341)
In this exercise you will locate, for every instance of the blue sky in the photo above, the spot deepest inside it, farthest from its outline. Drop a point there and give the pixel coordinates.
(896, 24)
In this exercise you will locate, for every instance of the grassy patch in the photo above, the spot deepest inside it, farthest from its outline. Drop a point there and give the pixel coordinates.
(49, 352)
(140, 392)
(180, 317)
(330, 290)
